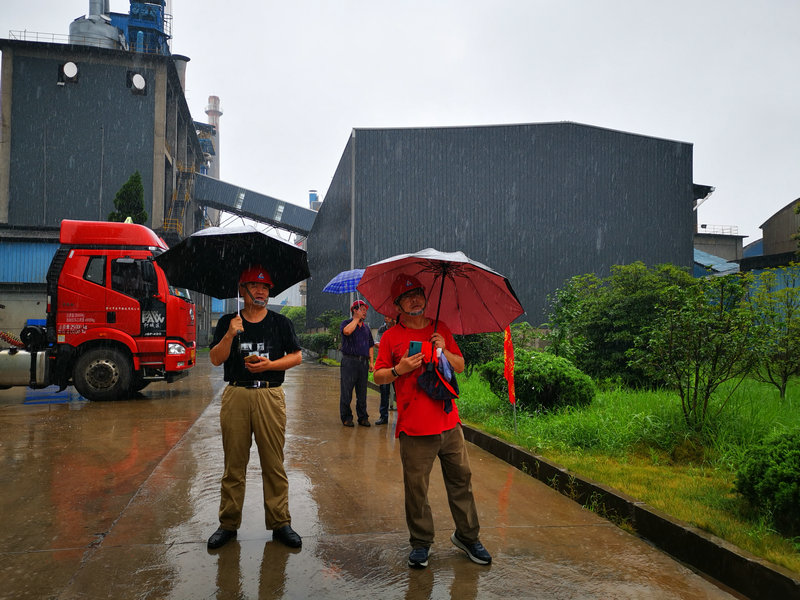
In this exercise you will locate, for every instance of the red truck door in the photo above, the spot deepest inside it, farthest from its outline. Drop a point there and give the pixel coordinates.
(134, 303)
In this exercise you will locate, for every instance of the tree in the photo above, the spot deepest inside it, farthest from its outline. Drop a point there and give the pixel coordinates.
(775, 303)
(129, 201)
(297, 315)
(700, 337)
(594, 322)
(332, 320)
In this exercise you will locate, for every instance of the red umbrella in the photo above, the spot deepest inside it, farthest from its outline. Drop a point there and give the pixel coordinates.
(471, 297)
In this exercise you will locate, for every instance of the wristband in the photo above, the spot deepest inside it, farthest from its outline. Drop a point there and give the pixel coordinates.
(395, 373)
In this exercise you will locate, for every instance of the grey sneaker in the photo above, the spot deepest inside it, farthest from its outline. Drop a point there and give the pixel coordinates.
(476, 552)
(418, 559)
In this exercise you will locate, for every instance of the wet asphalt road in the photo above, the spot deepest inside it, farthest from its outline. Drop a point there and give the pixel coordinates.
(116, 500)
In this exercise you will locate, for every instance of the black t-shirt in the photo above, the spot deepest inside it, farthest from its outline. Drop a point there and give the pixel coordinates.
(273, 337)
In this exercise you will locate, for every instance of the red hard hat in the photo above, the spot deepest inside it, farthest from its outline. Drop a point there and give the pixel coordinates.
(405, 283)
(255, 274)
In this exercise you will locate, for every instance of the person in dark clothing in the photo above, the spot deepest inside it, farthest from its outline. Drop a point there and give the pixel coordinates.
(386, 388)
(357, 363)
(256, 348)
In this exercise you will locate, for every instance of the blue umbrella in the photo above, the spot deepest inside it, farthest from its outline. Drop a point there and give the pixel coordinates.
(345, 282)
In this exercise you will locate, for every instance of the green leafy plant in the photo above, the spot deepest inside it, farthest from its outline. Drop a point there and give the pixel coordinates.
(129, 201)
(317, 342)
(769, 479)
(699, 338)
(332, 320)
(595, 321)
(775, 304)
(542, 381)
(297, 315)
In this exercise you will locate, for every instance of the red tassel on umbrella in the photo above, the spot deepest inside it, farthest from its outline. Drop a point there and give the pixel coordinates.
(508, 371)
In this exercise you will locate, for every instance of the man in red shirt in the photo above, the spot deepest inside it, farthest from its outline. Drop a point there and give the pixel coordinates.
(425, 429)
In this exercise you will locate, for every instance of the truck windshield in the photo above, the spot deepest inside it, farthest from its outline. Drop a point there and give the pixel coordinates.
(180, 293)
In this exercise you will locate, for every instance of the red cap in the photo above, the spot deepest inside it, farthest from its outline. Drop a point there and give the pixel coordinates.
(255, 274)
(403, 284)
(357, 304)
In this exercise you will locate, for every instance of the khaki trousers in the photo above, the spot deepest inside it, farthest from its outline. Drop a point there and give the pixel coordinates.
(417, 453)
(247, 414)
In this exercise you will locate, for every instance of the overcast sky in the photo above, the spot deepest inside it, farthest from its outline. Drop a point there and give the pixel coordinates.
(296, 76)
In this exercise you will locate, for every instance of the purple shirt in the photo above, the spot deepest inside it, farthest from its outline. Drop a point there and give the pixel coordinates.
(359, 342)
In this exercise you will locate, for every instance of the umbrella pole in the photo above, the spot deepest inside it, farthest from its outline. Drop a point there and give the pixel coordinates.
(439, 306)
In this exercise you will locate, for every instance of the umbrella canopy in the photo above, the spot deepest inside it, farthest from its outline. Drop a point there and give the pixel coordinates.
(211, 260)
(469, 296)
(345, 282)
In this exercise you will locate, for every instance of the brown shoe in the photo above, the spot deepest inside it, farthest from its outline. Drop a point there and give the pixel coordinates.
(348, 423)
(363, 422)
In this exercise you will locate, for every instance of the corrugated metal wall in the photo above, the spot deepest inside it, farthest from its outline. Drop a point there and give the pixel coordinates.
(329, 252)
(25, 262)
(538, 203)
(62, 134)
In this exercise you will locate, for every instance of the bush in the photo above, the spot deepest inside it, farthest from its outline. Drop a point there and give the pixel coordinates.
(541, 381)
(317, 342)
(769, 479)
(297, 315)
(478, 348)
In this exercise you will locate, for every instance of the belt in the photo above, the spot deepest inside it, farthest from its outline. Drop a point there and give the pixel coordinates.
(357, 356)
(254, 384)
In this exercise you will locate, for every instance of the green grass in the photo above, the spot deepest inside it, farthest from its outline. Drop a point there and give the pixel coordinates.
(638, 443)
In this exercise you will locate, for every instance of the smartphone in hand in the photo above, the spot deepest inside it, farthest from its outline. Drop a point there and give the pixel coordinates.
(414, 348)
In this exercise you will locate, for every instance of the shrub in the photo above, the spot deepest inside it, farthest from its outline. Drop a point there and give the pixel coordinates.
(317, 342)
(541, 381)
(478, 348)
(297, 315)
(769, 479)
(332, 320)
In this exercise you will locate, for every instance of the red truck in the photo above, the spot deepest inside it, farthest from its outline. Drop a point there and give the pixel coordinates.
(114, 323)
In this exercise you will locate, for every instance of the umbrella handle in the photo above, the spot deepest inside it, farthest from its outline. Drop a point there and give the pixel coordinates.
(238, 313)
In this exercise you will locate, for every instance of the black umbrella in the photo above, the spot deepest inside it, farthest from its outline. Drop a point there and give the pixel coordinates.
(211, 260)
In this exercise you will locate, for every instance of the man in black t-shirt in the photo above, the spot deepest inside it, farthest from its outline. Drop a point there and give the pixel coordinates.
(255, 348)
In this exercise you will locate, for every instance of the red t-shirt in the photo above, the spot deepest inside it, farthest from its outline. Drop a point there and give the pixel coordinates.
(417, 413)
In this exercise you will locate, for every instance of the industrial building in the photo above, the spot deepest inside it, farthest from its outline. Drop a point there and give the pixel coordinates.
(80, 115)
(539, 203)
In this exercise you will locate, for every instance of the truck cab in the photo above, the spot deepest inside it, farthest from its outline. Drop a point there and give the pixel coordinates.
(114, 323)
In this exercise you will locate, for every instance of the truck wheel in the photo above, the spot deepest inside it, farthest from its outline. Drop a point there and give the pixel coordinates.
(102, 374)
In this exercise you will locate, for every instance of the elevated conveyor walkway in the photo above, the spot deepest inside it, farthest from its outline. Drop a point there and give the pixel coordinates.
(252, 205)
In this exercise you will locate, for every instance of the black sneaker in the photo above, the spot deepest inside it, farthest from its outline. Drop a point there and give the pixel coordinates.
(418, 559)
(348, 423)
(363, 422)
(476, 552)
(381, 421)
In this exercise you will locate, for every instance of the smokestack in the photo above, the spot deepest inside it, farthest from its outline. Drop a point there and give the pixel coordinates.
(214, 113)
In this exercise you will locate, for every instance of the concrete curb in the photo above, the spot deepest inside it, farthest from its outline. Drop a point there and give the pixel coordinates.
(747, 574)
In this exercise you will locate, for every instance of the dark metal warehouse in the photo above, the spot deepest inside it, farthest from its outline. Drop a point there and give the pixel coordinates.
(537, 202)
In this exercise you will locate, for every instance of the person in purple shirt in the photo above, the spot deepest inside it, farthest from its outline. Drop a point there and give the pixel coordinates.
(357, 363)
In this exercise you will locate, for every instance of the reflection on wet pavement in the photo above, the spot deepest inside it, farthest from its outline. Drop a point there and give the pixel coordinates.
(117, 500)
